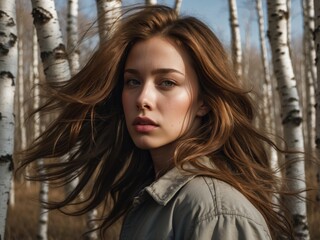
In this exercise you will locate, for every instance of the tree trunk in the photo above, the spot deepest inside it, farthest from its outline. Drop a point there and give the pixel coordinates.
(109, 11)
(289, 24)
(8, 73)
(177, 6)
(291, 114)
(151, 2)
(309, 28)
(42, 232)
(56, 68)
(310, 70)
(53, 52)
(21, 89)
(21, 102)
(72, 32)
(317, 47)
(269, 113)
(235, 38)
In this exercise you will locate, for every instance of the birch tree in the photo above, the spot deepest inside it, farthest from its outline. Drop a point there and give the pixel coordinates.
(235, 38)
(109, 11)
(269, 113)
(317, 47)
(291, 114)
(8, 72)
(177, 6)
(56, 68)
(72, 33)
(73, 56)
(53, 51)
(289, 23)
(309, 28)
(20, 96)
(21, 99)
(151, 2)
(44, 189)
(310, 69)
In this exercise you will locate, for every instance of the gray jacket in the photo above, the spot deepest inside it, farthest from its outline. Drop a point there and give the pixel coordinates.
(179, 206)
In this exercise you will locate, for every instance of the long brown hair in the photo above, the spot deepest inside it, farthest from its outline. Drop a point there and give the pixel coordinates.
(91, 126)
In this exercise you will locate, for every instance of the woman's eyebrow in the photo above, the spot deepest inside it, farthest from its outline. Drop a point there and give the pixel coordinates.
(155, 71)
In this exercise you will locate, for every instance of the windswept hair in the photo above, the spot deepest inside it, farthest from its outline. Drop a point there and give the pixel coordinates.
(91, 128)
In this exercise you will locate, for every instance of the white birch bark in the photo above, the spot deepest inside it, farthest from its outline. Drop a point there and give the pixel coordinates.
(310, 69)
(247, 49)
(317, 47)
(109, 12)
(151, 2)
(269, 112)
(72, 32)
(23, 130)
(56, 68)
(235, 38)
(8, 73)
(21, 112)
(309, 28)
(21, 104)
(291, 114)
(53, 52)
(42, 232)
(177, 6)
(289, 23)
(74, 62)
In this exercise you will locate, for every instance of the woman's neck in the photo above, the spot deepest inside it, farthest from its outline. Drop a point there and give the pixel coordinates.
(162, 159)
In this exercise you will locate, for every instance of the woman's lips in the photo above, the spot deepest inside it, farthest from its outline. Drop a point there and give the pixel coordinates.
(144, 124)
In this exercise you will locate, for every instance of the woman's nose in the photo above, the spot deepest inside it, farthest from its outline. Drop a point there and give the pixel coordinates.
(146, 97)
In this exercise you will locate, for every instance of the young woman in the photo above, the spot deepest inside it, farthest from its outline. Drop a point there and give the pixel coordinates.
(158, 123)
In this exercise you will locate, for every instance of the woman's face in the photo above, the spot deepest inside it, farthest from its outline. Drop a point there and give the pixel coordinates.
(160, 95)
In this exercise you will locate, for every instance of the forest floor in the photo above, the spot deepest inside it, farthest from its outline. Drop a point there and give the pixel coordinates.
(22, 218)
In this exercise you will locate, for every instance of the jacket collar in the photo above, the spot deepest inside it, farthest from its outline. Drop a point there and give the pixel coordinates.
(165, 188)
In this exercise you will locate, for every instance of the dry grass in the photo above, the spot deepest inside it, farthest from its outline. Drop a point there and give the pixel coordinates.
(22, 218)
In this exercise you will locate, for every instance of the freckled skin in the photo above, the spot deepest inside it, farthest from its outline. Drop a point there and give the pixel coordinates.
(160, 84)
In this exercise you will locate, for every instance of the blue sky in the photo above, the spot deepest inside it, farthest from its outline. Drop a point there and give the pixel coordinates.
(215, 13)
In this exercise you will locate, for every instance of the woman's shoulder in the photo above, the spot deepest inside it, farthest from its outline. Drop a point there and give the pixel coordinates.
(217, 198)
(213, 209)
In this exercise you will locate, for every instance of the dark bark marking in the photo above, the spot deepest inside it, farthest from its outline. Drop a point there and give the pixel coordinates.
(299, 220)
(7, 158)
(314, 33)
(268, 34)
(274, 15)
(293, 99)
(41, 16)
(10, 21)
(6, 45)
(284, 14)
(292, 118)
(58, 53)
(8, 75)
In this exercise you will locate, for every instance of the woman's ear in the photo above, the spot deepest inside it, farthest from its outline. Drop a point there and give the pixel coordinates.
(203, 110)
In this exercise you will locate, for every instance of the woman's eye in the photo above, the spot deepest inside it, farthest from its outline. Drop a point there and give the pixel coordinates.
(167, 83)
(132, 82)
